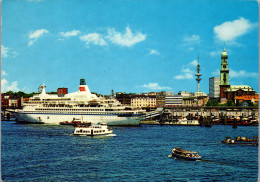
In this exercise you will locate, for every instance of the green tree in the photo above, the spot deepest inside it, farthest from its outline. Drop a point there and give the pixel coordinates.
(230, 103)
(212, 102)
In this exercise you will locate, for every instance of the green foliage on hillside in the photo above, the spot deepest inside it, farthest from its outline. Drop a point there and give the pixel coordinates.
(22, 94)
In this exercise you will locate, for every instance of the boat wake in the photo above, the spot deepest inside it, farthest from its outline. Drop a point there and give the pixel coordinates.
(170, 156)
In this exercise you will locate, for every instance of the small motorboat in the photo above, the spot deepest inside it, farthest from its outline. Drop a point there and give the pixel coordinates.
(74, 122)
(93, 130)
(185, 154)
(241, 140)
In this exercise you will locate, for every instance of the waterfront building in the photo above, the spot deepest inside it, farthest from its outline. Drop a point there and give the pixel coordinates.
(160, 98)
(4, 101)
(14, 102)
(124, 98)
(239, 90)
(214, 91)
(173, 100)
(185, 94)
(143, 101)
(187, 98)
(240, 100)
(62, 91)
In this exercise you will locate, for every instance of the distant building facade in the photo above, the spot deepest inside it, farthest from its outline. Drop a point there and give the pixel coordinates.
(254, 99)
(4, 101)
(160, 99)
(214, 91)
(62, 91)
(143, 101)
(124, 98)
(172, 100)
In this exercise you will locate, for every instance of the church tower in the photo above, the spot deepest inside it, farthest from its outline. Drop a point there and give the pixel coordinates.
(224, 74)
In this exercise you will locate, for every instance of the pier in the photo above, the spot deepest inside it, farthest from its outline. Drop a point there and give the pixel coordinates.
(206, 115)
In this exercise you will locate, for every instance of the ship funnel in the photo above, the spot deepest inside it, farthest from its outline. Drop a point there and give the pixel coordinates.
(82, 82)
(83, 86)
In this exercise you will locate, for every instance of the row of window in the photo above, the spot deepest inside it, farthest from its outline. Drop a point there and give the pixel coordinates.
(87, 131)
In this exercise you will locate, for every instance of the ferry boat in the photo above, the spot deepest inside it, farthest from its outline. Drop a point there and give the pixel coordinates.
(93, 130)
(185, 154)
(52, 109)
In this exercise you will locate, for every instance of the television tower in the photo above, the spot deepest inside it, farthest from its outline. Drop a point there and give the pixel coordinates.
(198, 74)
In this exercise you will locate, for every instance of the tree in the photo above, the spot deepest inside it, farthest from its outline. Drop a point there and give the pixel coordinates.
(230, 103)
(212, 102)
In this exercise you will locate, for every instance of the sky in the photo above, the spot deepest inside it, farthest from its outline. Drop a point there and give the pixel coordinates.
(131, 46)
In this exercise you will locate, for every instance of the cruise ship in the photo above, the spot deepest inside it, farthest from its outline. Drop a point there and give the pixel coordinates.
(82, 105)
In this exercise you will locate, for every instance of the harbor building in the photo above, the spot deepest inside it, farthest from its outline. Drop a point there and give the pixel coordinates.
(124, 98)
(187, 98)
(245, 99)
(143, 101)
(62, 91)
(4, 101)
(160, 98)
(214, 91)
(172, 100)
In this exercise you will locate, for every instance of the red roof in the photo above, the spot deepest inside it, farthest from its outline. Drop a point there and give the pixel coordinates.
(247, 97)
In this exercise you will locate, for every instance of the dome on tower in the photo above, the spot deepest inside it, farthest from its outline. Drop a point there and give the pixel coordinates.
(224, 53)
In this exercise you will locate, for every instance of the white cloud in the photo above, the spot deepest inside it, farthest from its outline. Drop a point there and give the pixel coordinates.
(69, 34)
(93, 38)
(242, 73)
(33, 36)
(3, 73)
(237, 74)
(153, 52)
(190, 41)
(4, 51)
(128, 39)
(187, 71)
(6, 86)
(155, 86)
(215, 53)
(193, 39)
(185, 75)
(230, 30)
(194, 63)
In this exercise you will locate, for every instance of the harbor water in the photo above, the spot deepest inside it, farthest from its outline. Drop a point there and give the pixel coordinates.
(32, 152)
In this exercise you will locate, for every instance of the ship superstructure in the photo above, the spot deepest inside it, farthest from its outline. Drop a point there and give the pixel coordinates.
(83, 105)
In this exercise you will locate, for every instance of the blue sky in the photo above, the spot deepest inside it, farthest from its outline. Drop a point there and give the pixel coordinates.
(126, 45)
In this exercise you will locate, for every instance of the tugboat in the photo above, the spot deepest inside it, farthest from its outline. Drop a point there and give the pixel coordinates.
(241, 140)
(93, 130)
(185, 154)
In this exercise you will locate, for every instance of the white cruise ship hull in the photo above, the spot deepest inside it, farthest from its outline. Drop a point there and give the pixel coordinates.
(56, 118)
